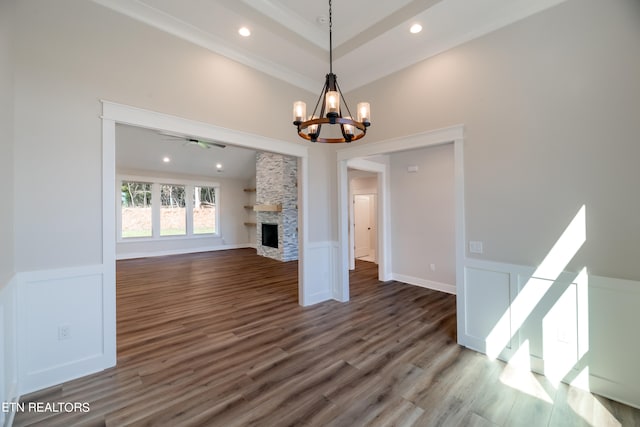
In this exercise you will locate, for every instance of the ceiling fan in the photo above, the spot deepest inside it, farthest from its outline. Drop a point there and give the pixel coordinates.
(202, 143)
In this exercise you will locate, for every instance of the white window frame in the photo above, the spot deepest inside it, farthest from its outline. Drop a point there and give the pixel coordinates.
(156, 182)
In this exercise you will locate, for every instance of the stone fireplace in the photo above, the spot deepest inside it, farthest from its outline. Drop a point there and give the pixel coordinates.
(277, 206)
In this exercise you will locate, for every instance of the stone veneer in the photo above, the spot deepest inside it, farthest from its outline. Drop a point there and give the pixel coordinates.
(277, 183)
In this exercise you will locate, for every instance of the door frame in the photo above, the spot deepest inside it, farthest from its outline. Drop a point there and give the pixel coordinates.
(372, 197)
(360, 157)
(114, 113)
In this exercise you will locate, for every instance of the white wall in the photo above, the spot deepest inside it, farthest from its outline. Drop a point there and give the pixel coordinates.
(8, 359)
(231, 200)
(6, 144)
(549, 107)
(423, 217)
(69, 55)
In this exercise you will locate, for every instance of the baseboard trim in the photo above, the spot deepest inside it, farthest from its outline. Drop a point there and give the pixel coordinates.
(423, 283)
(15, 398)
(152, 254)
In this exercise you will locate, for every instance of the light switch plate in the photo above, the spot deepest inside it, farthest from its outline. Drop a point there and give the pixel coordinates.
(475, 247)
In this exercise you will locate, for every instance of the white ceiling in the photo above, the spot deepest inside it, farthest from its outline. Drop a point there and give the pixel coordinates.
(371, 39)
(290, 41)
(139, 149)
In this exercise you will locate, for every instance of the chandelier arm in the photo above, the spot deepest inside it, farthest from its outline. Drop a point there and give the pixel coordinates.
(344, 101)
(322, 92)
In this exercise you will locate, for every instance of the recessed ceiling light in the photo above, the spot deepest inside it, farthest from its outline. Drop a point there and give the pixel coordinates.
(218, 166)
(166, 159)
(415, 28)
(244, 32)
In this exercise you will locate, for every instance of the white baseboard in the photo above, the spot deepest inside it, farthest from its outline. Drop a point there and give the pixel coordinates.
(150, 254)
(423, 283)
(14, 398)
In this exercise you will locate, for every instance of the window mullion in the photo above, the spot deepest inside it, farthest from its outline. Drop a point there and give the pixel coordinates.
(189, 193)
(155, 209)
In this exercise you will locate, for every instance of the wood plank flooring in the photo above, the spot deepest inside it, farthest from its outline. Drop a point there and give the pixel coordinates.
(218, 339)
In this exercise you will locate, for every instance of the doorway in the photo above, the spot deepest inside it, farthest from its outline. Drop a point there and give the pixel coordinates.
(365, 227)
(114, 113)
(375, 158)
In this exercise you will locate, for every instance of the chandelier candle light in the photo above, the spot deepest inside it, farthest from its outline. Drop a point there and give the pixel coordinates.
(330, 111)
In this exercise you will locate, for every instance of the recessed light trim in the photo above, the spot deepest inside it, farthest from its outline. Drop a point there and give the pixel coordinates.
(415, 28)
(244, 31)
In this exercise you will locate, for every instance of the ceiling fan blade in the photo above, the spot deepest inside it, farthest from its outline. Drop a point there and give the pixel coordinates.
(200, 142)
(215, 144)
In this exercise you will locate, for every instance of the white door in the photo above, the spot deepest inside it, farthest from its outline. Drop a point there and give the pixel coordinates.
(363, 225)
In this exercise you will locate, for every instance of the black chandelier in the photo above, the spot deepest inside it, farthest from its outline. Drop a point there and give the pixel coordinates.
(330, 111)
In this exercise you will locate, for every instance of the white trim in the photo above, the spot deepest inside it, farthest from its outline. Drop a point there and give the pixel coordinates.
(383, 214)
(291, 20)
(354, 155)
(593, 353)
(423, 283)
(167, 23)
(614, 390)
(113, 112)
(55, 280)
(156, 182)
(140, 117)
(323, 257)
(183, 251)
(109, 242)
(409, 142)
(8, 347)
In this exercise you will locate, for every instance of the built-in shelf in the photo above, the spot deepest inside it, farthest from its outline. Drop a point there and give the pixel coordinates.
(268, 208)
(250, 224)
(249, 190)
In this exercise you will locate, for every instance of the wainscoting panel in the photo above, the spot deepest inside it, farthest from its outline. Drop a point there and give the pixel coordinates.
(63, 327)
(574, 328)
(321, 272)
(8, 357)
(614, 344)
(487, 299)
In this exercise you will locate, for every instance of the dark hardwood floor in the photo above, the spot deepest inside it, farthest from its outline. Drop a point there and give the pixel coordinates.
(218, 339)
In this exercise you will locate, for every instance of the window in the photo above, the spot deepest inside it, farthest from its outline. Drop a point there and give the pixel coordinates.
(136, 209)
(204, 210)
(173, 212)
(167, 208)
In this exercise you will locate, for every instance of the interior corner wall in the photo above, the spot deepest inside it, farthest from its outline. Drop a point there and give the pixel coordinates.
(8, 355)
(65, 63)
(6, 143)
(69, 55)
(423, 217)
(550, 107)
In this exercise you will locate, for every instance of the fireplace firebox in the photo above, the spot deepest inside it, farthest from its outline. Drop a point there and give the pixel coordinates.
(270, 235)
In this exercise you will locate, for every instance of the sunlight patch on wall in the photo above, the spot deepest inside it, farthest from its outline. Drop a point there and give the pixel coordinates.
(534, 290)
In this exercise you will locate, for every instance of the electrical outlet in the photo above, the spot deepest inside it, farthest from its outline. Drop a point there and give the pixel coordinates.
(64, 332)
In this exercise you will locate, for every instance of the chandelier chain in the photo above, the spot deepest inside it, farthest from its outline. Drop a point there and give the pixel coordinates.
(330, 41)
